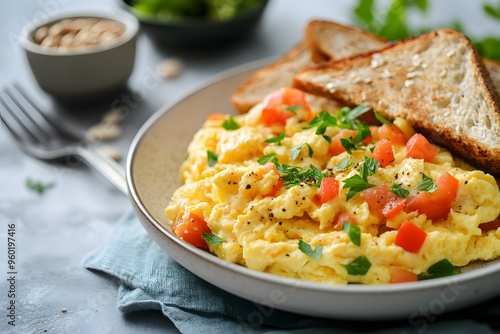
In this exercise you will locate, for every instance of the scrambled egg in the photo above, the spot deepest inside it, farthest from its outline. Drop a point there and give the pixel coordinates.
(264, 232)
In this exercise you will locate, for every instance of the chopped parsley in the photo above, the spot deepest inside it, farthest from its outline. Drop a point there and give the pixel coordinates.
(271, 157)
(230, 124)
(296, 175)
(381, 118)
(427, 184)
(38, 186)
(399, 191)
(293, 109)
(295, 152)
(212, 239)
(353, 231)
(441, 268)
(359, 266)
(347, 117)
(277, 139)
(322, 121)
(212, 158)
(359, 182)
(345, 164)
(305, 248)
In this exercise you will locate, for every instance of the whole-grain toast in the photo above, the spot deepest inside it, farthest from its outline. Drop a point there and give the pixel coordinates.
(437, 81)
(324, 40)
(328, 40)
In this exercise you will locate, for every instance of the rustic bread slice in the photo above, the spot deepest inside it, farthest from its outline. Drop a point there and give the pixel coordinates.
(331, 40)
(493, 68)
(328, 40)
(436, 81)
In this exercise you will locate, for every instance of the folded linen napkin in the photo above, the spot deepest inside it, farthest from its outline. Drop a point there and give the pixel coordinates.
(150, 280)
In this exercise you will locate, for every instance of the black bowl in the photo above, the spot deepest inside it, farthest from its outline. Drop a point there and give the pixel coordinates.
(200, 32)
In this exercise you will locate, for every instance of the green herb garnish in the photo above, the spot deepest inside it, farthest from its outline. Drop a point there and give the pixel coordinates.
(230, 124)
(427, 184)
(344, 164)
(295, 175)
(347, 117)
(293, 109)
(381, 118)
(399, 191)
(441, 268)
(295, 152)
(271, 157)
(359, 266)
(305, 248)
(212, 158)
(353, 231)
(322, 121)
(277, 139)
(359, 182)
(212, 239)
(38, 186)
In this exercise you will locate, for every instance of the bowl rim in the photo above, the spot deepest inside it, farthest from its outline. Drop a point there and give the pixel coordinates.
(130, 22)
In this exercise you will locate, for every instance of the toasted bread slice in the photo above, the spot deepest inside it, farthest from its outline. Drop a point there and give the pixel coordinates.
(328, 40)
(437, 81)
(272, 77)
(493, 68)
(331, 40)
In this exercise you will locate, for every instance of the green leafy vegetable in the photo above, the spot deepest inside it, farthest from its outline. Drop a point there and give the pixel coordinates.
(441, 268)
(359, 266)
(353, 231)
(38, 186)
(230, 124)
(212, 239)
(322, 121)
(305, 248)
(347, 117)
(399, 191)
(212, 158)
(393, 22)
(427, 184)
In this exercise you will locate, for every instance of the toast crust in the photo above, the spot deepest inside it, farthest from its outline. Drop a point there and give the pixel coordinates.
(437, 81)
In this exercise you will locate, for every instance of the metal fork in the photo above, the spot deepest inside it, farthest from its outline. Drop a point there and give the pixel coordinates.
(39, 137)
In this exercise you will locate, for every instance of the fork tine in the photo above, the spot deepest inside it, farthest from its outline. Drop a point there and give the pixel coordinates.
(17, 118)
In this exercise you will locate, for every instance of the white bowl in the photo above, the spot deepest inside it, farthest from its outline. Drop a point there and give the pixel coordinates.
(85, 71)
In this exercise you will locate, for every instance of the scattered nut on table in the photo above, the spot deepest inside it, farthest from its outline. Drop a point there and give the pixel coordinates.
(169, 68)
(72, 33)
(113, 152)
(104, 131)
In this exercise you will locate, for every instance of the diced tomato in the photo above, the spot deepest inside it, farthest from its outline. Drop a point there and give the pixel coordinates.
(399, 275)
(328, 190)
(410, 237)
(275, 188)
(447, 188)
(424, 203)
(383, 152)
(336, 145)
(342, 218)
(418, 147)
(492, 225)
(393, 207)
(216, 117)
(393, 133)
(190, 228)
(274, 109)
(382, 201)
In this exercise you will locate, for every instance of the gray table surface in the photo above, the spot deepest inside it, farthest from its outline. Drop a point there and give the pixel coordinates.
(55, 232)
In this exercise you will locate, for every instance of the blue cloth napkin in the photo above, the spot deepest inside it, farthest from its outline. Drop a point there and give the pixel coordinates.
(150, 280)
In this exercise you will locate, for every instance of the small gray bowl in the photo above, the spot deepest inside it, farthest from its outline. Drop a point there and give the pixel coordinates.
(86, 71)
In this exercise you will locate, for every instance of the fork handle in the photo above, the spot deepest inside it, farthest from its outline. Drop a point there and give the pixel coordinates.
(108, 167)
